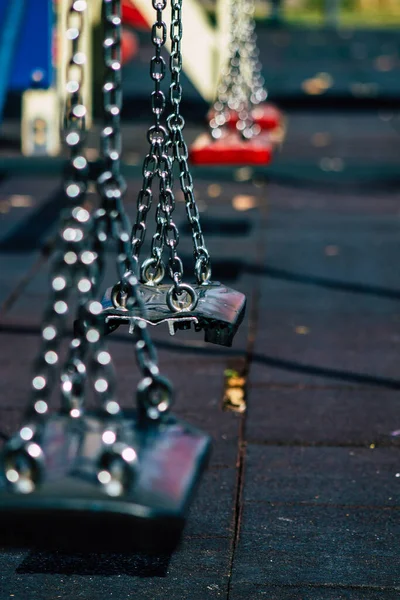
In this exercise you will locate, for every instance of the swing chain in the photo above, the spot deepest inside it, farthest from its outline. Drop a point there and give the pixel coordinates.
(250, 56)
(166, 233)
(240, 85)
(79, 261)
(159, 163)
(178, 149)
(231, 92)
(156, 135)
(75, 263)
(112, 186)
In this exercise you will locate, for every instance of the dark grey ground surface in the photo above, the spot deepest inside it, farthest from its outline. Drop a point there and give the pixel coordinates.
(301, 499)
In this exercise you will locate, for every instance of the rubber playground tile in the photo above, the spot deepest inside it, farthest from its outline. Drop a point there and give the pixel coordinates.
(314, 347)
(211, 514)
(27, 205)
(332, 265)
(300, 545)
(337, 415)
(263, 591)
(299, 291)
(302, 200)
(322, 476)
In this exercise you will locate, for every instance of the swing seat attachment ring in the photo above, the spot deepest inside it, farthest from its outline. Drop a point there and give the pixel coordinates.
(154, 396)
(157, 134)
(119, 297)
(23, 465)
(152, 271)
(175, 304)
(202, 270)
(117, 468)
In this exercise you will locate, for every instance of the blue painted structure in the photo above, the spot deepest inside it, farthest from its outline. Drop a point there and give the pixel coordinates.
(26, 29)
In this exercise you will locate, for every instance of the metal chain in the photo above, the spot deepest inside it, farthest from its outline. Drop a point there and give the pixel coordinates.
(111, 186)
(153, 269)
(158, 164)
(178, 149)
(166, 234)
(255, 81)
(76, 265)
(81, 248)
(234, 91)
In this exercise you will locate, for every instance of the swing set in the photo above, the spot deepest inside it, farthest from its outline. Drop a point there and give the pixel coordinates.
(103, 477)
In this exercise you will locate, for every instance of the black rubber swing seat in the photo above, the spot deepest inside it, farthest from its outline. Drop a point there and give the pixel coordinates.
(219, 311)
(87, 495)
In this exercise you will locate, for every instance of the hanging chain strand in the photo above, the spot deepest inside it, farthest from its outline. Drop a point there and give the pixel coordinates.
(178, 148)
(153, 269)
(112, 187)
(158, 164)
(88, 343)
(234, 89)
(75, 262)
(81, 247)
(166, 234)
(255, 81)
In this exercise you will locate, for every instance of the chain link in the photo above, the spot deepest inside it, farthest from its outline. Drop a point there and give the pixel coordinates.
(156, 136)
(177, 147)
(241, 83)
(76, 264)
(255, 81)
(81, 245)
(112, 186)
(158, 164)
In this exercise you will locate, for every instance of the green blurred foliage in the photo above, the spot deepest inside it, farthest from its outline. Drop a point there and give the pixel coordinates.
(352, 12)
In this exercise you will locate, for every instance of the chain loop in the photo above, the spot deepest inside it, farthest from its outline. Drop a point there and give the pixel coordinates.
(77, 265)
(178, 148)
(241, 84)
(79, 261)
(167, 148)
(157, 136)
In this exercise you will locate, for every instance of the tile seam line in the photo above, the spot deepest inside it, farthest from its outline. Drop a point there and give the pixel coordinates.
(251, 337)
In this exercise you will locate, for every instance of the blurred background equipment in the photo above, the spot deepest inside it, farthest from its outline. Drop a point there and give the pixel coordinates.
(26, 67)
(242, 125)
(328, 48)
